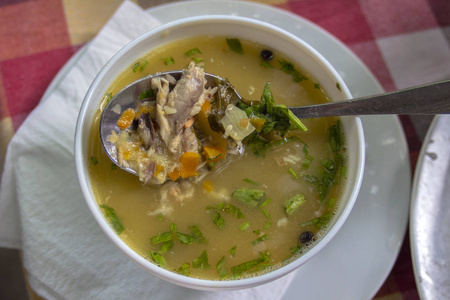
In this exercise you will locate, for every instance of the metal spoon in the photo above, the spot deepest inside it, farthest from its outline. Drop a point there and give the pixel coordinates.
(431, 98)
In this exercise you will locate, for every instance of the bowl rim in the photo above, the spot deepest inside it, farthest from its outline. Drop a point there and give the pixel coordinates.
(190, 282)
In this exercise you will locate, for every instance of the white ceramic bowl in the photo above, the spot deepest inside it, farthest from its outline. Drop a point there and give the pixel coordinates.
(238, 27)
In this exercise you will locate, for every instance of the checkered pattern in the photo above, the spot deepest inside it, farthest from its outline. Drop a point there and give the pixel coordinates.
(403, 42)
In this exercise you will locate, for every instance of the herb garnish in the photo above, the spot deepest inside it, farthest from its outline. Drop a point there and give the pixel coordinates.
(113, 219)
(251, 197)
(193, 51)
(222, 269)
(184, 269)
(293, 203)
(201, 262)
(169, 61)
(235, 45)
(290, 69)
(94, 160)
(263, 259)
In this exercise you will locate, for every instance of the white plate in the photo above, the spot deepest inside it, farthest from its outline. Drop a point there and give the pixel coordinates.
(430, 213)
(357, 261)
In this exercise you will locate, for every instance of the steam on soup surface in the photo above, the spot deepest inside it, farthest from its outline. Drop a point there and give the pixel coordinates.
(249, 213)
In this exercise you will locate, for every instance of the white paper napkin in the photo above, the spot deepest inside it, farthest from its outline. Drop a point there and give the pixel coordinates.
(42, 210)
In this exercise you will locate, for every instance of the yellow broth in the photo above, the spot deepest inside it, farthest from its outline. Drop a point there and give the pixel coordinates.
(139, 206)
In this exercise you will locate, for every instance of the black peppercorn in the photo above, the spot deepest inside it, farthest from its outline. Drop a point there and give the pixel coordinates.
(266, 55)
(306, 237)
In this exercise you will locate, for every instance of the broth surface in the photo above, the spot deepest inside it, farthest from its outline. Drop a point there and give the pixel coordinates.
(147, 211)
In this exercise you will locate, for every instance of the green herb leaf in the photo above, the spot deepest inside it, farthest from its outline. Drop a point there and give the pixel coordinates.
(197, 234)
(143, 65)
(146, 94)
(319, 222)
(158, 259)
(266, 213)
(249, 265)
(185, 238)
(113, 166)
(113, 219)
(289, 68)
(185, 269)
(136, 67)
(293, 173)
(167, 246)
(169, 61)
(161, 238)
(201, 262)
(233, 251)
(197, 59)
(294, 203)
(94, 160)
(235, 45)
(193, 51)
(267, 201)
(252, 197)
(250, 181)
(244, 226)
(262, 238)
(222, 269)
(219, 220)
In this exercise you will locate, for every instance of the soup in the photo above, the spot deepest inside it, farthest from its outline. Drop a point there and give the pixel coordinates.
(249, 213)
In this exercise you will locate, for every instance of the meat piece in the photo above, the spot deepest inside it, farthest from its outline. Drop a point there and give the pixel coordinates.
(183, 102)
(146, 130)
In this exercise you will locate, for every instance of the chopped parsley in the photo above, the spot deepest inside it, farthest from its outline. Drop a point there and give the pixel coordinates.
(251, 197)
(252, 264)
(192, 52)
(94, 160)
(235, 45)
(184, 269)
(201, 262)
(290, 69)
(113, 219)
(222, 269)
(169, 61)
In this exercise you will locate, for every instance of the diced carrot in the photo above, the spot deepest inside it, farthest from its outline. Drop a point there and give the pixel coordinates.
(158, 169)
(213, 154)
(258, 123)
(207, 185)
(175, 174)
(188, 164)
(206, 106)
(126, 118)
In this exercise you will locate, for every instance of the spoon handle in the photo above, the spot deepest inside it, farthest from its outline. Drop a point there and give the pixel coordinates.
(427, 99)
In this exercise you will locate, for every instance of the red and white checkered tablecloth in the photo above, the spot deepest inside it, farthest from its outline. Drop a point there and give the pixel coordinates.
(403, 42)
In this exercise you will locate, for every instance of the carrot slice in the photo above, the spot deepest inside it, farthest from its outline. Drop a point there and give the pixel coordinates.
(188, 164)
(213, 154)
(126, 118)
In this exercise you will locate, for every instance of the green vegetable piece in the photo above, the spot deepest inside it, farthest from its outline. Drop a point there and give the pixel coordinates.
(307, 161)
(262, 238)
(185, 238)
(184, 269)
(294, 203)
(113, 166)
(201, 262)
(219, 220)
(197, 234)
(193, 51)
(146, 94)
(249, 265)
(289, 68)
(158, 259)
(267, 225)
(233, 251)
(249, 181)
(235, 45)
(316, 85)
(161, 238)
(113, 219)
(319, 222)
(197, 59)
(144, 64)
(167, 246)
(94, 160)
(169, 61)
(244, 226)
(335, 137)
(267, 201)
(108, 97)
(252, 197)
(136, 67)
(293, 173)
(266, 213)
(338, 86)
(222, 269)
